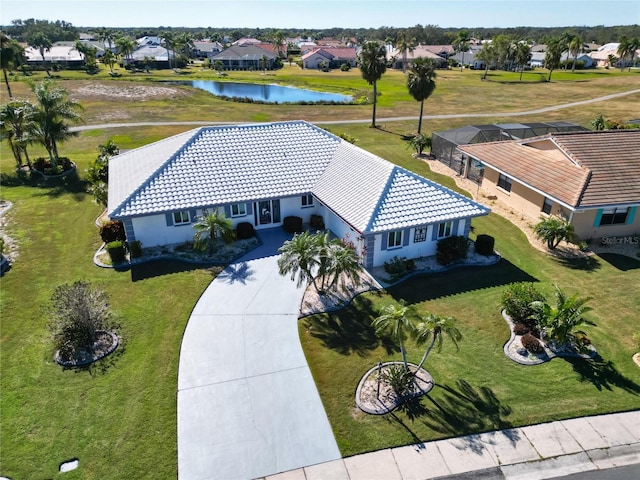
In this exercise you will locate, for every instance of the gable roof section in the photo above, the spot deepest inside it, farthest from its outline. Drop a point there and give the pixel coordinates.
(580, 169)
(220, 165)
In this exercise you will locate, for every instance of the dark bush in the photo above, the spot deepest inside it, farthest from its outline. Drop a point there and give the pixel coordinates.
(116, 251)
(292, 224)
(451, 249)
(485, 244)
(517, 299)
(398, 266)
(345, 67)
(531, 343)
(244, 230)
(316, 222)
(112, 231)
(521, 328)
(135, 249)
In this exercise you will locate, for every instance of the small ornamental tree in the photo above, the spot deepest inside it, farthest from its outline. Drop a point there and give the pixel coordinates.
(554, 230)
(77, 313)
(517, 300)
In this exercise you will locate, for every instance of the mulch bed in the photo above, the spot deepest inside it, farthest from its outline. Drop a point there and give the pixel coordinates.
(106, 343)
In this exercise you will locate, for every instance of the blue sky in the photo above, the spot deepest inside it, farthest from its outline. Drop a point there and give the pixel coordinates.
(319, 14)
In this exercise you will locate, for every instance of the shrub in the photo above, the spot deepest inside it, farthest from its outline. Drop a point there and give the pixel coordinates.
(399, 379)
(553, 230)
(316, 222)
(244, 230)
(345, 67)
(78, 312)
(521, 328)
(531, 343)
(116, 251)
(484, 244)
(292, 224)
(135, 249)
(419, 143)
(113, 231)
(399, 266)
(451, 249)
(517, 299)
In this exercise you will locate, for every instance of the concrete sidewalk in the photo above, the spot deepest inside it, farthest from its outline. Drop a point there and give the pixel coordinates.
(534, 452)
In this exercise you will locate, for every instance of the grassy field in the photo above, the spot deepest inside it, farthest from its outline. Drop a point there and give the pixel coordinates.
(119, 418)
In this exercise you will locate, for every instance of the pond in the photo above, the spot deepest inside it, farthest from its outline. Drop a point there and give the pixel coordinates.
(264, 92)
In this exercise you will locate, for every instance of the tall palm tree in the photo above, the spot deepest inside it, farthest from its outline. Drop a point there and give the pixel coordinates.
(575, 47)
(107, 36)
(634, 46)
(11, 54)
(109, 58)
(396, 320)
(405, 46)
(421, 83)
(522, 56)
(277, 39)
(552, 56)
(489, 56)
(432, 329)
(89, 52)
(15, 127)
(561, 321)
(52, 115)
(373, 64)
(169, 39)
(125, 47)
(461, 44)
(623, 50)
(209, 228)
(42, 43)
(298, 257)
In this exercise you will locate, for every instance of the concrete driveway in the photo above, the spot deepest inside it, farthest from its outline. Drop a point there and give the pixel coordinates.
(247, 404)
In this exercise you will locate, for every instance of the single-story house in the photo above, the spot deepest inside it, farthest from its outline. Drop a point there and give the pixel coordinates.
(263, 173)
(591, 178)
(245, 57)
(206, 49)
(332, 57)
(156, 54)
(421, 51)
(63, 53)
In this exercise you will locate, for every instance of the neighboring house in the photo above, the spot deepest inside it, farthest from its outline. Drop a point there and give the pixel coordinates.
(149, 40)
(265, 172)
(156, 53)
(62, 53)
(245, 57)
(590, 178)
(206, 49)
(421, 51)
(331, 57)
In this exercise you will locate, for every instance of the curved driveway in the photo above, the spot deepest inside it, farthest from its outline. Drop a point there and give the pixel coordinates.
(247, 404)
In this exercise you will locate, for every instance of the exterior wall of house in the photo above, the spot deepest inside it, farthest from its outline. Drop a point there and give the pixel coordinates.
(587, 225)
(314, 61)
(153, 230)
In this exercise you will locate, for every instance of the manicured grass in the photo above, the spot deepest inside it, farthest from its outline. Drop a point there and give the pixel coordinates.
(120, 421)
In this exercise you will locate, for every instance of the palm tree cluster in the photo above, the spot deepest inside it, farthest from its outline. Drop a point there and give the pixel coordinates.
(628, 49)
(46, 122)
(317, 258)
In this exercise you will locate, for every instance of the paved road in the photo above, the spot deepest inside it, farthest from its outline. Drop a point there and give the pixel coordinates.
(383, 119)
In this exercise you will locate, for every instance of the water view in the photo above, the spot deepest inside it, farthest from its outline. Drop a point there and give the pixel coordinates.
(265, 93)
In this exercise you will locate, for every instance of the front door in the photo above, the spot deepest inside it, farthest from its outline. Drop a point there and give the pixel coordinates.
(266, 212)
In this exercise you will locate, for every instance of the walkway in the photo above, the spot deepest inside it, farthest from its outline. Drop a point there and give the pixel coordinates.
(247, 403)
(528, 453)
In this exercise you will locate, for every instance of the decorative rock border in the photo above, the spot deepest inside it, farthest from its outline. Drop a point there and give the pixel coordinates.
(58, 175)
(86, 361)
(387, 401)
(636, 359)
(514, 350)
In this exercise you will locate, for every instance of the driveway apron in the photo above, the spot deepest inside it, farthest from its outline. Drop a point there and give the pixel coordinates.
(247, 403)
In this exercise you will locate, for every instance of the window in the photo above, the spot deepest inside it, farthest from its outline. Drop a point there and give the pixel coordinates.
(546, 206)
(614, 216)
(504, 182)
(239, 210)
(420, 234)
(395, 239)
(444, 229)
(307, 200)
(181, 218)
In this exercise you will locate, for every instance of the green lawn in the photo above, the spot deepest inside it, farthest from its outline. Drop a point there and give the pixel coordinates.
(119, 419)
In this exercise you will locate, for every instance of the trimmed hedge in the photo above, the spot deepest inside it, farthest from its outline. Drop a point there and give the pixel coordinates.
(135, 249)
(452, 248)
(292, 224)
(531, 343)
(116, 251)
(245, 230)
(316, 222)
(485, 244)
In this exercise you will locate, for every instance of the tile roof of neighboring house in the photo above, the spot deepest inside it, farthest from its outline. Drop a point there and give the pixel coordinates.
(57, 53)
(221, 165)
(580, 169)
(421, 51)
(346, 53)
(157, 52)
(244, 52)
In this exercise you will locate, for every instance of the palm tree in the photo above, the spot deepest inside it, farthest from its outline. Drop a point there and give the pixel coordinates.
(51, 116)
(10, 54)
(553, 230)
(107, 36)
(599, 123)
(575, 47)
(373, 64)
(623, 50)
(209, 228)
(170, 44)
(560, 321)
(522, 56)
(298, 257)
(489, 56)
(432, 329)
(15, 127)
(109, 58)
(125, 47)
(277, 39)
(552, 56)
(396, 321)
(404, 45)
(42, 43)
(343, 262)
(461, 45)
(89, 53)
(421, 83)
(98, 172)
(634, 46)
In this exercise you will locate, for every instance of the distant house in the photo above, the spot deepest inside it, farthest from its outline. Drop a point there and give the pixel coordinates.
(421, 51)
(245, 57)
(61, 53)
(157, 55)
(329, 56)
(263, 173)
(590, 178)
(149, 40)
(206, 49)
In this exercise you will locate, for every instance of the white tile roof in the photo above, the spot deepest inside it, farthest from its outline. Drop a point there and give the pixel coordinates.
(231, 164)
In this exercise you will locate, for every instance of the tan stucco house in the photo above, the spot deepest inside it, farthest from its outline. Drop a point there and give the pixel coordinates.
(590, 178)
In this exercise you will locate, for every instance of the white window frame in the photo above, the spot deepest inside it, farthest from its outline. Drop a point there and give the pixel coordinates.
(420, 235)
(445, 229)
(241, 210)
(306, 201)
(394, 239)
(182, 218)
